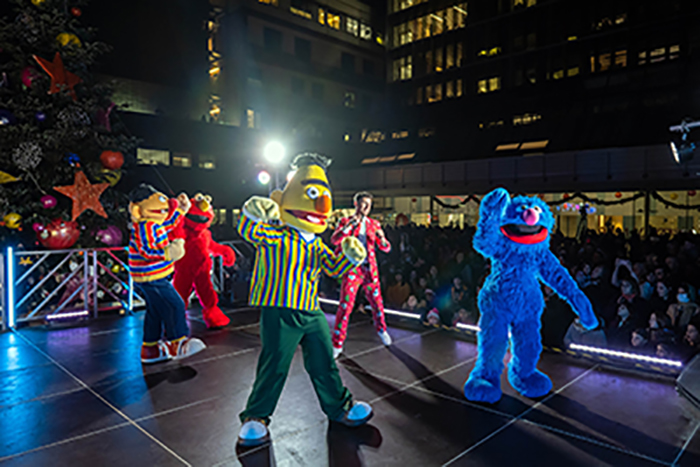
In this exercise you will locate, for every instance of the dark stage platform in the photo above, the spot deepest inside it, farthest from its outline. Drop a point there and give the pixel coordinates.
(79, 396)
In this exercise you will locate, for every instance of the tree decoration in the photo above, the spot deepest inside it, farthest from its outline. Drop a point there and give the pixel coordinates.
(40, 116)
(7, 178)
(37, 227)
(12, 220)
(109, 176)
(38, 2)
(112, 160)
(27, 156)
(74, 119)
(84, 195)
(102, 116)
(691, 193)
(4, 82)
(25, 261)
(618, 195)
(48, 202)
(7, 118)
(67, 38)
(110, 236)
(75, 11)
(673, 196)
(29, 74)
(61, 79)
(59, 234)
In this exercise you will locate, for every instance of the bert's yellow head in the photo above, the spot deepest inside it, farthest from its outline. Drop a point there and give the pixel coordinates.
(305, 203)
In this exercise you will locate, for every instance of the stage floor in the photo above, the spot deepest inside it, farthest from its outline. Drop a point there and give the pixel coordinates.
(79, 396)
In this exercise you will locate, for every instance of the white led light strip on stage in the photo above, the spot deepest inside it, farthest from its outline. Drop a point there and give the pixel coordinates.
(598, 350)
(72, 314)
(631, 356)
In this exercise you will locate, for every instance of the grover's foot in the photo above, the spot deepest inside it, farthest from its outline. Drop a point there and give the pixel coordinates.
(536, 384)
(253, 433)
(215, 318)
(359, 414)
(478, 389)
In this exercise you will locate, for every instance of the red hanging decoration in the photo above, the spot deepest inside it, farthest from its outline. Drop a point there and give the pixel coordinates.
(618, 195)
(112, 160)
(691, 193)
(59, 234)
(60, 78)
(75, 11)
(84, 195)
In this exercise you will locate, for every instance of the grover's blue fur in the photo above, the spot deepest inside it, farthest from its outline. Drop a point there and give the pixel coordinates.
(511, 298)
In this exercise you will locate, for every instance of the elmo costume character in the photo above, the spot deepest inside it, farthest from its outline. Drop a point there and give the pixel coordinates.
(194, 269)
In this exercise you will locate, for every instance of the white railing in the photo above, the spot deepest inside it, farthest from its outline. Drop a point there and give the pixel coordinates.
(59, 284)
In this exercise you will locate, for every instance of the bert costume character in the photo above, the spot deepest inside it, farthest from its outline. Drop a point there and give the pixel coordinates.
(194, 269)
(151, 257)
(284, 285)
(366, 275)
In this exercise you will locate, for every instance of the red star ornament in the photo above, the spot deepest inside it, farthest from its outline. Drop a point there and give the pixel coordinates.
(84, 195)
(60, 78)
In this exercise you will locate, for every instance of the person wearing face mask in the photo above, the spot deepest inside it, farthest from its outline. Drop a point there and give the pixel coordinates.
(684, 309)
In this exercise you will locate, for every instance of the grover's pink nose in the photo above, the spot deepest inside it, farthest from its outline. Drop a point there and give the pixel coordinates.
(530, 216)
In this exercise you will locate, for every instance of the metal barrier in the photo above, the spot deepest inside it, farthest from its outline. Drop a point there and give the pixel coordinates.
(245, 255)
(89, 281)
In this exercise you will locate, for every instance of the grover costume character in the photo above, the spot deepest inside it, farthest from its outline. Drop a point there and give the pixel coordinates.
(194, 269)
(284, 285)
(151, 257)
(514, 235)
(370, 233)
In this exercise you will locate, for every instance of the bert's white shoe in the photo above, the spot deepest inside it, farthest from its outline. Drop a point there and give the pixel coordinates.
(337, 352)
(385, 337)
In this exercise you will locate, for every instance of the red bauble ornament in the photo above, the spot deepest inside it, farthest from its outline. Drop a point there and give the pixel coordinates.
(112, 160)
(75, 11)
(618, 195)
(565, 196)
(414, 200)
(59, 234)
(692, 192)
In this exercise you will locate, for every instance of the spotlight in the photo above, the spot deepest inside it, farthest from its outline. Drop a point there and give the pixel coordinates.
(290, 175)
(684, 151)
(274, 152)
(264, 178)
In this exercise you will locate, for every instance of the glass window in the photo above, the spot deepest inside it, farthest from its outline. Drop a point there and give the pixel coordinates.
(531, 75)
(438, 21)
(419, 95)
(450, 15)
(182, 159)
(349, 100)
(621, 58)
(333, 20)
(321, 16)
(269, 2)
(458, 88)
(482, 86)
(531, 3)
(657, 55)
(365, 32)
(573, 71)
(449, 56)
(207, 162)
(559, 74)
(250, 118)
(461, 14)
(449, 89)
(352, 26)
(152, 156)
(407, 67)
(674, 52)
(642, 58)
(438, 60)
(460, 54)
(429, 62)
(603, 62)
(494, 83)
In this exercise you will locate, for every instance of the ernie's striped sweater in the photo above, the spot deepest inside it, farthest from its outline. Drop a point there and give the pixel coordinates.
(287, 267)
(148, 260)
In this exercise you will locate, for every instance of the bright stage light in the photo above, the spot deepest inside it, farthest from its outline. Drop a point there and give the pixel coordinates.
(264, 177)
(290, 175)
(403, 314)
(627, 355)
(682, 152)
(10, 262)
(274, 152)
(67, 315)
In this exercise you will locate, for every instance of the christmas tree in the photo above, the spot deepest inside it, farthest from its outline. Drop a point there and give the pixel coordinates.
(62, 147)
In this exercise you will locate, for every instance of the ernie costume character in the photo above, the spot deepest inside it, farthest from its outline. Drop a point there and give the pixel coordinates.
(194, 269)
(151, 258)
(284, 285)
(366, 275)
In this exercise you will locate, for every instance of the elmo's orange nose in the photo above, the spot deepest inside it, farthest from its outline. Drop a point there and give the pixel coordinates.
(323, 204)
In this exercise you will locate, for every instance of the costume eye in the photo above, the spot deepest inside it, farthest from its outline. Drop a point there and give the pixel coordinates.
(162, 199)
(208, 198)
(537, 209)
(312, 192)
(198, 197)
(523, 207)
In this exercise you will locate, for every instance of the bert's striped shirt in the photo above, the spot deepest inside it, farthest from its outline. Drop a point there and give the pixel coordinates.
(287, 267)
(147, 258)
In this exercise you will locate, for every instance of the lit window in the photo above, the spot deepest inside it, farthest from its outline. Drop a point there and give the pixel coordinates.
(269, 2)
(399, 134)
(372, 136)
(495, 83)
(250, 118)
(657, 55)
(365, 32)
(559, 74)
(437, 93)
(370, 160)
(674, 51)
(302, 13)
(346, 137)
(207, 162)
(449, 56)
(405, 157)
(387, 159)
(438, 22)
(621, 58)
(152, 156)
(429, 65)
(450, 19)
(419, 95)
(572, 71)
(526, 119)
(458, 88)
(534, 144)
(460, 15)
(214, 111)
(426, 132)
(438, 60)
(182, 159)
(403, 68)
(321, 16)
(352, 26)
(603, 62)
(333, 20)
(482, 86)
(621, 18)
(572, 38)
(531, 3)
(349, 100)
(507, 147)
(449, 89)
(642, 58)
(460, 54)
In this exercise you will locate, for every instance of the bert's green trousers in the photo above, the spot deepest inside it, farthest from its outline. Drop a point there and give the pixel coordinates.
(281, 331)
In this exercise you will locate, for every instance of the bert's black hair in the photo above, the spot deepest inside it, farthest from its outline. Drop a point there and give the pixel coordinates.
(311, 158)
(141, 192)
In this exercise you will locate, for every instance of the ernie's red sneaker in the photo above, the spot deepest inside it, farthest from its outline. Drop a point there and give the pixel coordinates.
(154, 353)
(185, 347)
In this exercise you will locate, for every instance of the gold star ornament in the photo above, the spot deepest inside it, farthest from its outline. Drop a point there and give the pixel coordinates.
(61, 79)
(84, 195)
